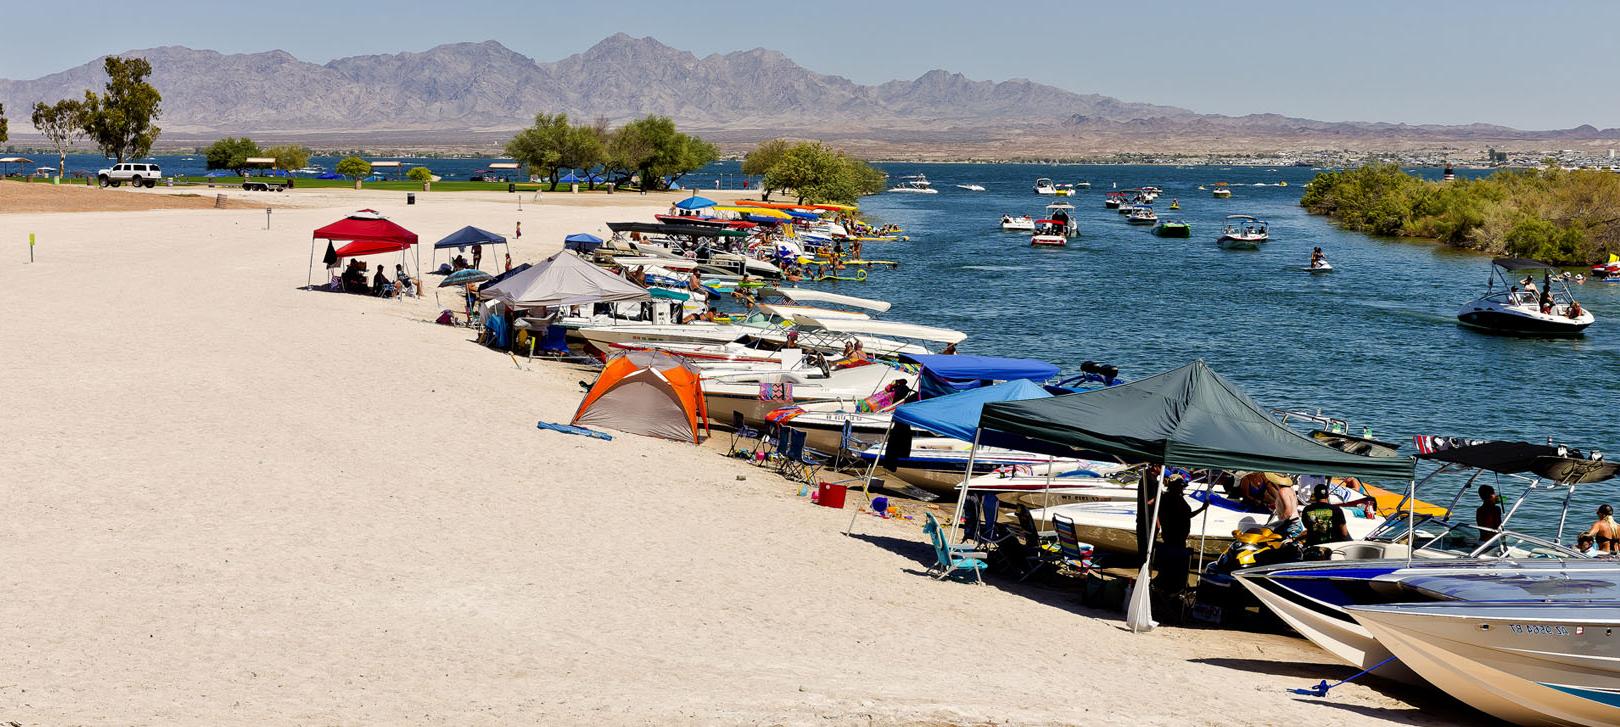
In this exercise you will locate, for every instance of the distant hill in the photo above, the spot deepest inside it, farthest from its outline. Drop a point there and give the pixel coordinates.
(473, 90)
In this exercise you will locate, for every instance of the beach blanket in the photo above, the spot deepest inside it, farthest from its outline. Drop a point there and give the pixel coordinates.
(775, 392)
(881, 401)
(783, 414)
(571, 429)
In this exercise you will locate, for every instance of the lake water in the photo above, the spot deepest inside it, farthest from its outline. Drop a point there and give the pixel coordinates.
(1375, 342)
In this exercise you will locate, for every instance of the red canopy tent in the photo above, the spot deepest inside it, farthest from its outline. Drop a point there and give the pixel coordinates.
(366, 232)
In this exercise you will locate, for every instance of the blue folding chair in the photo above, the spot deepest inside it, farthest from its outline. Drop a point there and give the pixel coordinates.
(797, 462)
(952, 559)
(741, 430)
(849, 445)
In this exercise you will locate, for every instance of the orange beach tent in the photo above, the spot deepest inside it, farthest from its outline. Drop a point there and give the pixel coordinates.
(650, 393)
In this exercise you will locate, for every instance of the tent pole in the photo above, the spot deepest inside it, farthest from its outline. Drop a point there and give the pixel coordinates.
(866, 486)
(1203, 522)
(961, 498)
(309, 272)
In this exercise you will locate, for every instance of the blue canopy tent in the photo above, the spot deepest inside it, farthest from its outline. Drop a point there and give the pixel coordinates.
(948, 374)
(468, 236)
(953, 415)
(695, 203)
(583, 243)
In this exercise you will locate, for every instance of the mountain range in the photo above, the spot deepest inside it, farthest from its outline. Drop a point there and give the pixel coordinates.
(481, 91)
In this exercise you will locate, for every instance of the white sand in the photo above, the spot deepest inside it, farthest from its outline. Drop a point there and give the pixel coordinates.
(230, 501)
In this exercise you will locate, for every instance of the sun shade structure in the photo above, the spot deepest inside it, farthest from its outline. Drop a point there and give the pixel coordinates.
(1189, 417)
(947, 374)
(468, 236)
(650, 393)
(582, 242)
(1545, 460)
(561, 280)
(957, 415)
(366, 232)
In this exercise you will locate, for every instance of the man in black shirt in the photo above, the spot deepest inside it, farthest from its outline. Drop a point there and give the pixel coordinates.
(1175, 525)
(1488, 516)
(1323, 520)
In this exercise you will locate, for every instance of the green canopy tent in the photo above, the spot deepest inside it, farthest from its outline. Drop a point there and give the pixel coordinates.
(1190, 417)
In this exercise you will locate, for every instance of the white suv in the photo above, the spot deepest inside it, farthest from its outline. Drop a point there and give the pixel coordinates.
(134, 173)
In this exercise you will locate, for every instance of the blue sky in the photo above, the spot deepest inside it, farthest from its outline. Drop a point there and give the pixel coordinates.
(1543, 64)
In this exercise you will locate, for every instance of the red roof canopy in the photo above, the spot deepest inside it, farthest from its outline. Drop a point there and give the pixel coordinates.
(369, 230)
(371, 247)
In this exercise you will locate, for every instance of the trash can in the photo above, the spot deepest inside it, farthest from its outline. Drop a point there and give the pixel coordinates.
(831, 495)
(610, 187)
(410, 198)
(511, 188)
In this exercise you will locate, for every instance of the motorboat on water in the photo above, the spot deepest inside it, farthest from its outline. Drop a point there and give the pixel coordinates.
(1045, 186)
(1021, 223)
(1063, 213)
(1511, 310)
(1142, 215)
(1172, 228)
(1082, 184)
(914, 184)
(971, 187)
(1050, 233)
(1244, 232)
(1530, 662)
(1221, 191)
(1608, 271)
(1063, 190)
(1113, 200)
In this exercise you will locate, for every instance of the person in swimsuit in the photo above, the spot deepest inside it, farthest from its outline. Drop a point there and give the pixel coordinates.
(1605, 532)
(1284, 506)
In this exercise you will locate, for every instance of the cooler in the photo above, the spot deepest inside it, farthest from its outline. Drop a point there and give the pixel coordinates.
(831, 495)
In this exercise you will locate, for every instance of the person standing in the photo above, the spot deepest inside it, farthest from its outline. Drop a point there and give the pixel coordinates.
(478, 257)
(518, 235)
(1284, 506)
(1488, 516)
(1324, 521)
(1175, 525)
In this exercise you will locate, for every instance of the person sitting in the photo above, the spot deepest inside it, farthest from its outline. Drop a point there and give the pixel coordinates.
(1546, 302)
(380, 284)
(1574, 311)
(403, 284)
(1317, 258)
(459, 263)
(1488, 516)
(354, 277)
(1586, 545)
(1605, 532)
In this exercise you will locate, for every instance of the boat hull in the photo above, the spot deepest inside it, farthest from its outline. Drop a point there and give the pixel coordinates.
(1172, 231)
(1495, 320)
(1531, 664)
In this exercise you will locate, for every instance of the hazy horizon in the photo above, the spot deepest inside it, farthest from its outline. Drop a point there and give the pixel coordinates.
(1430, 63)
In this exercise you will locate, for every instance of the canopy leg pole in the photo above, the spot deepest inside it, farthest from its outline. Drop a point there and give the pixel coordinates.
(866, 488)
(309, 272)
(961, 497)
(1203, 522)
(1139, 618)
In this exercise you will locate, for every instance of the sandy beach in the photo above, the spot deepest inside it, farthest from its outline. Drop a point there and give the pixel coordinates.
(232, 501)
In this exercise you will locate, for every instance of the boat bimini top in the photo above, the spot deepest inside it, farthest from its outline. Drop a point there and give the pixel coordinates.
(882, 328)
(805, 295)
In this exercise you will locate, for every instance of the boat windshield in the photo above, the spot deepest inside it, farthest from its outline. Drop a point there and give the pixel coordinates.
(1440, 537)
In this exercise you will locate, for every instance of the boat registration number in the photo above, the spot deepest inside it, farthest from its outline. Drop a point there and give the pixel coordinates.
(1539, 629)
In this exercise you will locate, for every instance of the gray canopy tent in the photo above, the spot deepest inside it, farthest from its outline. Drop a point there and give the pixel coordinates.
(563, 280)
(1189, 417)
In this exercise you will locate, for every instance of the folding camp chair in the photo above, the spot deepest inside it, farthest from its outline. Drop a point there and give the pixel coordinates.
(849, 446)
(1035, 549)
(949, 559)
(798, 463)
(1072, 553)
(741, 430)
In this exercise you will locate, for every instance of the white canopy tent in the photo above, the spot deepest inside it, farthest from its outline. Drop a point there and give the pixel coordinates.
(563, 280)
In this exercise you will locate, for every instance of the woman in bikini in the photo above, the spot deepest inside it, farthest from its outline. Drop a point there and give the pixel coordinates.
(1605, 531)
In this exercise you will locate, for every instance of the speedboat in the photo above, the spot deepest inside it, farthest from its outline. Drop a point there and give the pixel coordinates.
(1082, 184)
(1514, 311)
(1243, 232)
(1045, 186)
(1022, 223)
(1113, 200)
(939, 464)
(1172, 228)
(971, 187)
(1142, 215)
(1221, 191)
(1314, 597)
(1050, 233)
(914, 184)
(1062, 212)
(1528, 663)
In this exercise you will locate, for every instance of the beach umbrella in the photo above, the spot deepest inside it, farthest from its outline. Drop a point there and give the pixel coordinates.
(695, 203)
(466, 276)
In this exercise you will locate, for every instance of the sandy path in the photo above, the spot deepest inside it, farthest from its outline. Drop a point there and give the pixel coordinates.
(230, 501)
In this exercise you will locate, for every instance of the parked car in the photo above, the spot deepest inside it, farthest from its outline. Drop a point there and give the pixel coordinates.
(136, 173)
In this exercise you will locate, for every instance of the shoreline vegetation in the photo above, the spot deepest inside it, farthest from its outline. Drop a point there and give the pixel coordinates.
(1556, 216)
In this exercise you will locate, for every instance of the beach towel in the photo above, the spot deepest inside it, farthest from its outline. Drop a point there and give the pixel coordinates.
(881, 401)
(571, 429)
(783, 414)
(775, 392)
